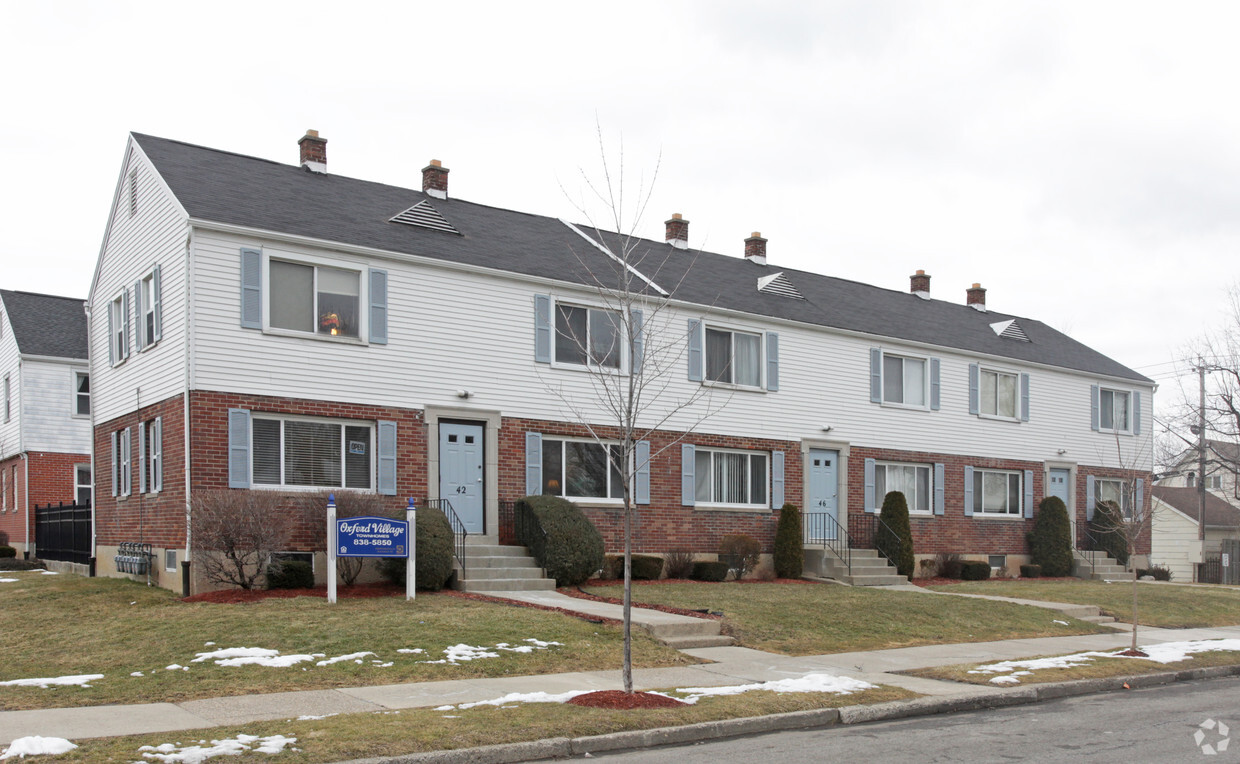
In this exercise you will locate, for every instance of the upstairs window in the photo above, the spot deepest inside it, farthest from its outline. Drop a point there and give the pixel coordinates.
(904, 380)
(148, 309)
(575, 469)
(734, 357)
(118, 328)
(312, 453)
(81, 393)
(1113, 410)
(8, 403)
(315, 298)
(998, 394)
(587, 336)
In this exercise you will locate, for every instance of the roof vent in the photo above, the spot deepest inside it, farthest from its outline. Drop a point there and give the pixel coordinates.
(1010, 329)
(423, 215)
(778, 284)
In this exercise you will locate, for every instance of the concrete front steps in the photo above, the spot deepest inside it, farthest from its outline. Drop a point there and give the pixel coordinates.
(868, 568)
(1104, 566)
(493, 567)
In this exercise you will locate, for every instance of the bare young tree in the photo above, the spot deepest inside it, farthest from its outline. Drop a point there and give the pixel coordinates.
(236, 532)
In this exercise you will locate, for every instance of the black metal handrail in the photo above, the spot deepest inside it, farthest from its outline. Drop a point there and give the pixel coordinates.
(507, 522)
(458, 528)
(863, 532)
(527, 530)
(822, 528)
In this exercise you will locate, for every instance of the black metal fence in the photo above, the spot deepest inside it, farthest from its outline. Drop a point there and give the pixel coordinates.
(62, 532)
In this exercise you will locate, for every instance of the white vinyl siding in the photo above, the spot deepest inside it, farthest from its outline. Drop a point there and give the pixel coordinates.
(46, 404)
(580, 469)
(731, 478)
(312, 453)
(915, 481)
(997, 493)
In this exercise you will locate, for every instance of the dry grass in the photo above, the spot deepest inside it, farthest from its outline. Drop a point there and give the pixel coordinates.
(800, 619)
(1098, 668)
(62, 625)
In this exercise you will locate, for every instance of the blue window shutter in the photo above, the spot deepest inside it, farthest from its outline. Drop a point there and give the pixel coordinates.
(876, 375)
(157, 297)
(1090, 498)
(688, 485)
(1029, 494)
(1139, 510)
(870, 505)
(934, 384)
(116, 448)
(111, 338)
(1024, 397)
(639, 342)
(1136, 413)
(695, 351)
(542, 336)
(378, 306)
(975, 379)
(251, 289)
(641, 458)
(968, 492)
(386, 484)
(533, 464)
(1093, 407)
(772, 365)
(238, 448)
(140, 340)
(777, 479)
(940, 490)
(125, 323)
(141, 457)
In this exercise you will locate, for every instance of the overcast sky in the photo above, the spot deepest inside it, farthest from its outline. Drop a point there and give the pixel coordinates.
(1077, 159)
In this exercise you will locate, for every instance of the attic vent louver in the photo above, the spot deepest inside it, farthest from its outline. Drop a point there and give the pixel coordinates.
(778, 283)
(423, 215)
(1010, 329)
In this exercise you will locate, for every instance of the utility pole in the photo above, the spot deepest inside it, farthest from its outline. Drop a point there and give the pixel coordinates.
(1201, 450)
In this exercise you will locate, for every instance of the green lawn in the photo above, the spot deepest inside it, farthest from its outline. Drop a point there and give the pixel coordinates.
(66, 625)
(1166, 606)
(808, 619)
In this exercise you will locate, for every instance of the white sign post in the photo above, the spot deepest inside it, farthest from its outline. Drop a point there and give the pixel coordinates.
(331, 548)
(411, 562)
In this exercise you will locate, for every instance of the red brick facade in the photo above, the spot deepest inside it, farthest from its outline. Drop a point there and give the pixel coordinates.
(52, 479)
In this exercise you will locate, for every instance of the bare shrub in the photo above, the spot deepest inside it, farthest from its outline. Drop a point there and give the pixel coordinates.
(741, 552)
(235, 533)
(678, 563)
(313, 508)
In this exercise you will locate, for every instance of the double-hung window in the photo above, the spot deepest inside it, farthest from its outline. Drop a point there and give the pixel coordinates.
(1113, 410)
(118, 328)
(121, 463)
(904, 380)
(1116, 492)
(147, 309)
(312, 453)
(8, 400)
(153, 455)
(998, 394)
(997, 492)
(81, 483)
(588, 336)
(81, 393)
(733, 478)
(315, 299)
(733, 357)
(581, 469)
(915, 481)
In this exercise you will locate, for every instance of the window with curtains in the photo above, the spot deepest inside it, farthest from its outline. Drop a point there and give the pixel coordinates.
(314, 298)
(1113, 411)
(997, 492)
(588, 336)
(312, 453)
(998, 394)
(915, 481)
(580, 469)
(737, 478)
(904, 380)
(733, 357)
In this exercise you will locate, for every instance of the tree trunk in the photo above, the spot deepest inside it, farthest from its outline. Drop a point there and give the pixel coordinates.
(627, 671)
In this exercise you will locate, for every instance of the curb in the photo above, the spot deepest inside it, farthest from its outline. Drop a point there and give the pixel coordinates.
(561, 747)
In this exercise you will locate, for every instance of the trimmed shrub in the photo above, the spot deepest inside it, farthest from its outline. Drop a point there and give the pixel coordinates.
(1109, 528)
(740, 552)
(1159, 572)
(1030, 571)
(895, 541)
(678, 563)
(435, 548)
(710, 571)
(290, 574)
(789, 548)
(7, 563)
(613, 567)
(975, 570)
(947, 564)
(1050, 541)
(8, 551)
(645, 567)
(572, 549)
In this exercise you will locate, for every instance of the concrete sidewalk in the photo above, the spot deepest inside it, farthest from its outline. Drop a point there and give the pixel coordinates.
(727, 666)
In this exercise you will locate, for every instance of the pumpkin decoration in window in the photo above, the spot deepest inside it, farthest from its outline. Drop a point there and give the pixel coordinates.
(330, 323)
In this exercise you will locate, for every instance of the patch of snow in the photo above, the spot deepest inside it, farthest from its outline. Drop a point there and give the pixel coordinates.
(194, 754)
(522, 697)
(382, 665)
(839, 685)
(1061, 623)
(414, 651)
(57, 681)
(445, 708)
(50, 573)
(173, 667)
(1167, 652)
(8, 580)
(34, 745)
(136, 673)
(1004, 680)
(342, 658)
(208, 644)
(311, 718)
(251, 656)
(460, 653)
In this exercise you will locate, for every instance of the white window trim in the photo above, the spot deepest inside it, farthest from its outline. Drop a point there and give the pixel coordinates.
(1113, 430)
(142, 308)
(1123, 494)
(589, 366)
(588, 500)
(153, 459)
(1019, 514)
(363, 296)
(882, 370)
(8, 398)
(74, 374)
(125, 466)
(741, 507)
(374, 457)
(90, 487)
(929, 511)
(173, 569)
(981, 403)
(734, 330)
(118, 338)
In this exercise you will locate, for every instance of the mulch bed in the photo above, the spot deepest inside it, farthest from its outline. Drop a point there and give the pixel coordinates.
(625, 700)
(242, 596)
(1130, 653)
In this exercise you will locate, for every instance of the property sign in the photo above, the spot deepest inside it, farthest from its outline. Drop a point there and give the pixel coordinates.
(372, 537)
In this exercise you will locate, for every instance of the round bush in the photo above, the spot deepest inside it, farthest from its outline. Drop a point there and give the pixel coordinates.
(1050, 541)
(789, 548)
(290, 574)
(8, 551)
(975, 570)
(895, 540)
(710, 571)
(435, 548)
(1030, 571)
(570, 548)
(644, 567)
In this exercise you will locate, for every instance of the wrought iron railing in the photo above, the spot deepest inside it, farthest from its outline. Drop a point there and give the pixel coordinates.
(62, 532)
(523, 528)
(821, 528)
(458, 528)
(507, 522)
(863, 534)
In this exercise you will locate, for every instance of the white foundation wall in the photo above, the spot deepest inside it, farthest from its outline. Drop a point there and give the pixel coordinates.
(452, 329)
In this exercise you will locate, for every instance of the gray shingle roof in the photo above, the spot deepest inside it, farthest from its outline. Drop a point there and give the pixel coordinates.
(222, 187)
(1218, 512)
(47, 325)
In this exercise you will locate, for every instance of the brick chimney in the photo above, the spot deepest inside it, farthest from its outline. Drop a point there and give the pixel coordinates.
(919, 284)
(976, 297)
(677, 231)
(435, 180)
(755, 248)
(313, 151)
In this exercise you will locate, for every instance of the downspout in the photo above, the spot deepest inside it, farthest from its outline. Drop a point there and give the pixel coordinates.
(21, 447)
(189, 350)
(90, 370)
(26, 510)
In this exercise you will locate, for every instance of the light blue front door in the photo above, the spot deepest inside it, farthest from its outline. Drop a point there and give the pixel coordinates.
(461, 473)
(1059, 480)
(824, 489)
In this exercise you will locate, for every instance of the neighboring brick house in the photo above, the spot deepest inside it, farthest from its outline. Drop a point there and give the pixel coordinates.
(256, 325)
(45, 410)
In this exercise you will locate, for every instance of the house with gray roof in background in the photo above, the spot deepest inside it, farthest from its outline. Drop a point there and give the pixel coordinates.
(260, 326)
(45, 428)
